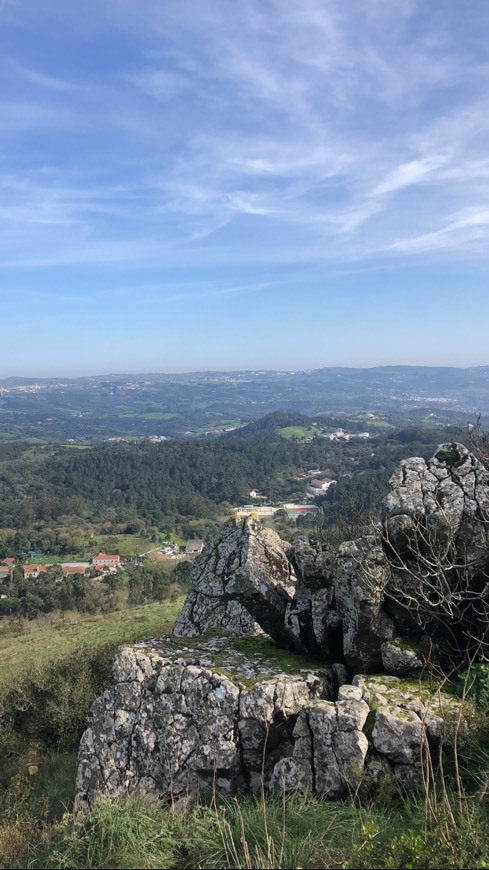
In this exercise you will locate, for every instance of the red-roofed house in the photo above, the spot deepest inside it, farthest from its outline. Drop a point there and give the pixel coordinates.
(104, 561)
(33, 571)
(72, 569)
(10, 562)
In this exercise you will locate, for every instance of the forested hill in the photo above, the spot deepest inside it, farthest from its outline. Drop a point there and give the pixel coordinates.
(269, 426)
(290, 424)
(46, 487)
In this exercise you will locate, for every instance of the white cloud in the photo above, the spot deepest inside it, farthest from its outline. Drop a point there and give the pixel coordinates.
(335, 119)
(406, 174)
(468, 228)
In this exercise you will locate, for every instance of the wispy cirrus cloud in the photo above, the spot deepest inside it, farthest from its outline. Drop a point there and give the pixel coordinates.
(468, 228)
(334, 119)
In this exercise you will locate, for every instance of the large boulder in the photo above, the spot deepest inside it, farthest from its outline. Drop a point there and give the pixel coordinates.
(243, 583)
(225, 714)
(190, 716)
(401, 658)
(441, 504)
(435, 528)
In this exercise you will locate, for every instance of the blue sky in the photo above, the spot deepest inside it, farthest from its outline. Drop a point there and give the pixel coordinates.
(225, 184)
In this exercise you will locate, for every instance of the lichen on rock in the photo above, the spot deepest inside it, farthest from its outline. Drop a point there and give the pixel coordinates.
(255, 689)
(185, 718)
(182, 717)
(244, 583)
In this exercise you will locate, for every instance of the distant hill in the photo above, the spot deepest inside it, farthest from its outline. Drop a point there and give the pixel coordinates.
(202, 404)
(269, 426)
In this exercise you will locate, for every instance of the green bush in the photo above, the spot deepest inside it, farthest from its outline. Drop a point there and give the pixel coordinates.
(474, 682)
(48, 706)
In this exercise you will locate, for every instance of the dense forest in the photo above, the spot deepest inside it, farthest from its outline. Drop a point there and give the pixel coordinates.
(52, 497)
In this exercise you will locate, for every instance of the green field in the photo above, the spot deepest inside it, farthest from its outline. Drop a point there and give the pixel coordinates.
(147, 415)
(299, 432)
(149, 411)
(126, 545)
(76, 447)
(158, 415)
(46, 559)
(46, 641)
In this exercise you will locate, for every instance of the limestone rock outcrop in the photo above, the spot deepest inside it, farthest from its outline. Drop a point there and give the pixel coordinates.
(220, 705)
(184, 718)
(422, 570)
(446, 499)
(242, 583)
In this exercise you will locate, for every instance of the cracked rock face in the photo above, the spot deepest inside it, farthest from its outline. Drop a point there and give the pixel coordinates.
(329, 751)
(189, 713)
(312, 607)
(184, 718)
(447, 497)
(242, 583)
(180, 717)
(360, 576)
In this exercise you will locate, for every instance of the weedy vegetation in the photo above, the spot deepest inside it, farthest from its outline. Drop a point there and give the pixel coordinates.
(442, 824)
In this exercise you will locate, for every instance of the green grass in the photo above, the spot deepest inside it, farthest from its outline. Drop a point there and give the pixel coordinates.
(135, 833)
(126, 545)
(76, 447)
(50, 677)
(278, 832)
(45, 643)
(299, 432)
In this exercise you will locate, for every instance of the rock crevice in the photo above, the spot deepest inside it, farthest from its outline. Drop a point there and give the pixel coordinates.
(220, 705)
(171, 725)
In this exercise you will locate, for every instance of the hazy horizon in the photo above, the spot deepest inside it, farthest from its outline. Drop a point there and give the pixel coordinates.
(169, 373)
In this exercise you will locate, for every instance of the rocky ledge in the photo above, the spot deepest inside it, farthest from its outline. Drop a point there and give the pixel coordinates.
(232, 699)
(227, 713)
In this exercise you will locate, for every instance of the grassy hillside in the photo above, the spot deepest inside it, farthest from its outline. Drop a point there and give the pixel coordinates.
(51, 671)
(37, 644)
